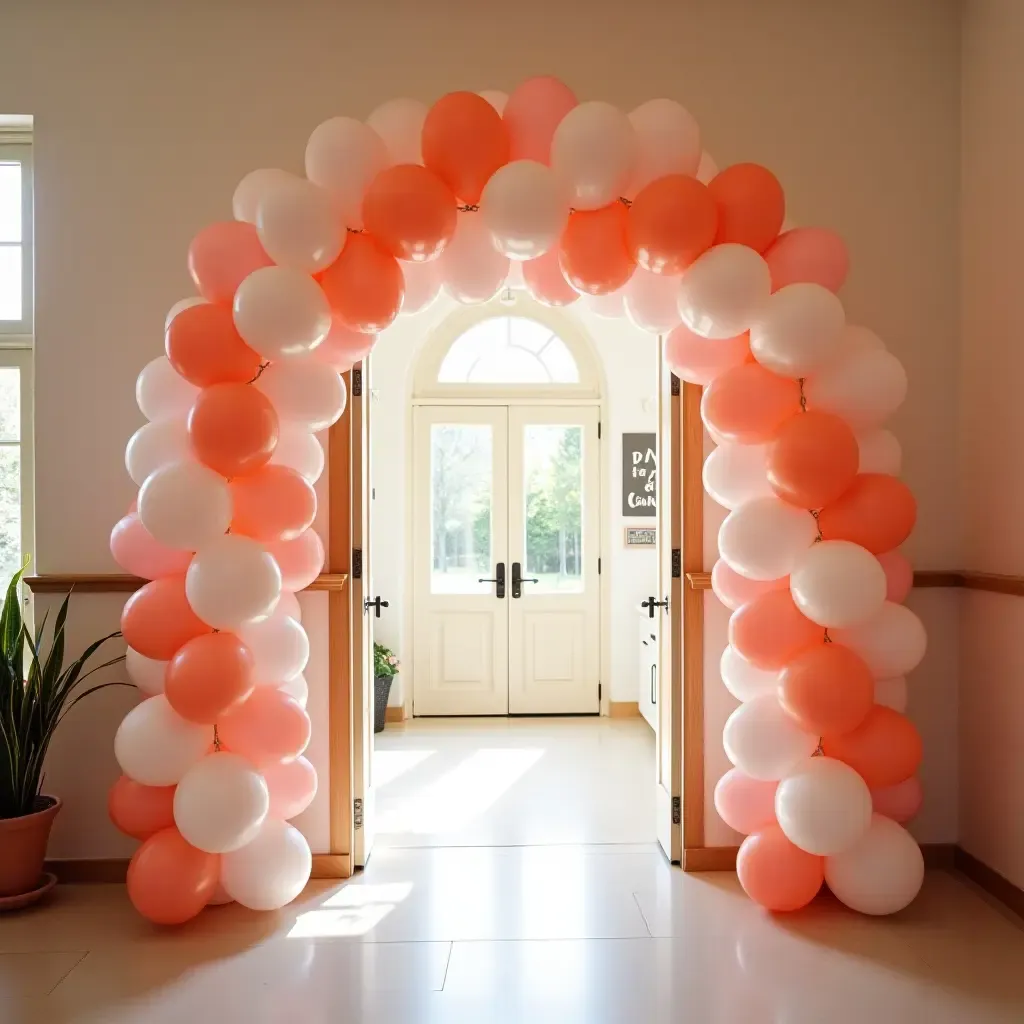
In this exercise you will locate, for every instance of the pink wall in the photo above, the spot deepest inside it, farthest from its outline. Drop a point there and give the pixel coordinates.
(992, 426)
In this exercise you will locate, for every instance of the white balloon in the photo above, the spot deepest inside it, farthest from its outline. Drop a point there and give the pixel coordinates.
(399, 123)
(593, 152)
(797, 330)
(185, 505)
(880, 452)
(668, 141)
(608, 307)
(496, 98)
(744, 680)
(300, 450)
(763, 741)
(252, 188)
(146, 673)
(155, 445)
(860, 338)
(180, 306)
(344, 155)
(881, 873)
(471, 268)
(270, 871)
(232, 581)
(823, 806)
(281, 312)
(892, 643)
(279, 646)
(422, 287)
(862, 385)
(892, 693)
(838, 584)
(304, 392)
(707, 168)
(155, 746)
(737, 473)
(525, 207)
(288, 604)
(297, 688)
(162, 393)
(724, 290)
(298, 227)
(763, 538)
(220, 803)
(651, 301)
(219, 898)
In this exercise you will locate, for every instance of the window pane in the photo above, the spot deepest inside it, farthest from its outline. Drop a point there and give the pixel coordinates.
(10, 512)
(10, 403)
(554, 509)
(461, 478)
(508, 350)
(10, 202)
(10, 282)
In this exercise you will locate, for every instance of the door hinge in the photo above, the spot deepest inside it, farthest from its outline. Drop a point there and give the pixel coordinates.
(357, 382)
(677, 564)
(677, 810)
(599, 430)
(357, 813)
(357, 563)
(599, 567)
(598, 691)
(675, 384)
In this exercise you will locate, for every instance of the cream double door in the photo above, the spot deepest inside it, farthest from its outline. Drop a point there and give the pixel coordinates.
(506, 589)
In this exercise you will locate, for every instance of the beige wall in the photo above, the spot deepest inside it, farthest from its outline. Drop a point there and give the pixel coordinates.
(148, 114)
(992, 371)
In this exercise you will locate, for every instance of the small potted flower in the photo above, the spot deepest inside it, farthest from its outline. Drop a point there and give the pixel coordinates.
(385, 668)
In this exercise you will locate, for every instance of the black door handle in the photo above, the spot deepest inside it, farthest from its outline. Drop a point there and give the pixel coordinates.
(498, 581)
(376, 604)
(518, 579)
(651, 603)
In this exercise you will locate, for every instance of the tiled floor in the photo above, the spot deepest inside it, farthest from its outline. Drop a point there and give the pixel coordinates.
(544, 934)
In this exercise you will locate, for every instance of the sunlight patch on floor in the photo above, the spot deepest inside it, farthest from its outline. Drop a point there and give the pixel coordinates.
(389, 765)
(351, 911)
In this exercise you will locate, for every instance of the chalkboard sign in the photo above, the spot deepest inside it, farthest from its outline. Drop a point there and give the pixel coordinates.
(640, 475)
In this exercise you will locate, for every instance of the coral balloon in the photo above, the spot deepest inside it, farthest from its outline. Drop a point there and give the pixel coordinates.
(877, 512)
(534, 110)
(546, 282)
(157, 619)
(140, 811)
(169, 881)
(233, 428)
(410, 211)
(734, 590)
(292, 786)
(300, 560)
(770, 631)
(672, 221)
(343, 347)
(884, 750)
(700, 360)
(204, 346)
(135, 550)
(268, 727)
(901, 802)
(828, 690)
(364, 285)
(751, 205)
(748, 404)
(274, 503)
(222, 256)
(594, 252)
(899, 576)
(775, 873)
(209, 676)
(745, 804)
(808, 255)
(464, 143)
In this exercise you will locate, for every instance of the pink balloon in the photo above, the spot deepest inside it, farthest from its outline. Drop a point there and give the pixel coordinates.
(292, 786)
(300, 560)
(651, 301)
(812, 255)
(531, 115)
(222, 256)
(136, 551)
(899, 576)
(900, 802)
(700, 360)
(267, 728)
(343, 347)
(422, 286)
(734, 590)
(745, 804)
(545, 281)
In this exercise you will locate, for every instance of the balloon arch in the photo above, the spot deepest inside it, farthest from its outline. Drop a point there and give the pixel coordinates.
(625, 214)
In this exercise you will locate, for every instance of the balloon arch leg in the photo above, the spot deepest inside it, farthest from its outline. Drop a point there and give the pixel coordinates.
(628, 216)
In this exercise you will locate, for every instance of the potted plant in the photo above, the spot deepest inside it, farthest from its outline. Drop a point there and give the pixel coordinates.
(32, 705)
(385, 668)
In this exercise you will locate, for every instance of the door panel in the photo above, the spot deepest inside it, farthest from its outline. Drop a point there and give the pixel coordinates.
(459, 539)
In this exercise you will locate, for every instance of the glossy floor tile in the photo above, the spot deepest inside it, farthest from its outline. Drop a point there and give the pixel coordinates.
(514, 782)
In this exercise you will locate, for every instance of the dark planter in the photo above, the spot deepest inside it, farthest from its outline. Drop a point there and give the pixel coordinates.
(23, 847)
(381, 692)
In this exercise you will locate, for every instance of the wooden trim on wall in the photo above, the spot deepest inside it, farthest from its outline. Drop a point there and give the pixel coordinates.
(395, 714)
(989, 879)
(623, 709)
(996, 583)
(723, 858)
(115, 870)
(113, 583)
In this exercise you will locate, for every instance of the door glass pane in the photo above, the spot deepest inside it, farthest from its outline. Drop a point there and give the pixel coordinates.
(10, 403)
(10, 512)
(461, 488)
(10, 282)
(554, 508)
(10, 202)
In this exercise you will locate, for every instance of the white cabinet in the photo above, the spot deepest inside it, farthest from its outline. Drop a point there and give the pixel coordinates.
(647, 667)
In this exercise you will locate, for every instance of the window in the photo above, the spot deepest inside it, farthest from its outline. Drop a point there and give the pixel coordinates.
(16, 242)
(508, 350)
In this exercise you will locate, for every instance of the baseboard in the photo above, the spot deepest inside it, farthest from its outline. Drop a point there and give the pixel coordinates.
(395, 714)
(990, 880)
(332, 865)
(623, 709)
(723, 858)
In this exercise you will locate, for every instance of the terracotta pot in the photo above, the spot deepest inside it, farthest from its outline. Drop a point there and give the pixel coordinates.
(23, 847)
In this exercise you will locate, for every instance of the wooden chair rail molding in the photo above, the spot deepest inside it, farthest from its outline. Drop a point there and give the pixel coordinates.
(993, 582)
(112, 583)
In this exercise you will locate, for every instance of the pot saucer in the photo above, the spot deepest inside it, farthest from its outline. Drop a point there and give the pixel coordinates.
(46, 883)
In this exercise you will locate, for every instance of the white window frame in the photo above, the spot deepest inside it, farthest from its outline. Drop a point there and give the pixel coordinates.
(17, 148)
(21, 358)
